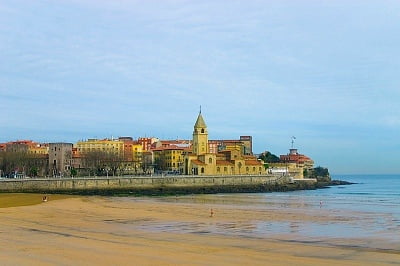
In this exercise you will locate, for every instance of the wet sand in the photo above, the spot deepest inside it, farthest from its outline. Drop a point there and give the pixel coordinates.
(23, 199)
(117, 231)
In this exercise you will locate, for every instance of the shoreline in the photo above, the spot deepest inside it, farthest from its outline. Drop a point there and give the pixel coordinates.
(107, 231)
(164, 187)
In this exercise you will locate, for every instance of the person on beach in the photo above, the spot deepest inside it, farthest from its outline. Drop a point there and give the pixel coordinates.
(211, 213)
(44, 199)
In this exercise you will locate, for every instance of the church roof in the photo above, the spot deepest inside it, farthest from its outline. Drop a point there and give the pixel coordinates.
(198, 162)
(224, 162)
(200, 122)
(252, 162)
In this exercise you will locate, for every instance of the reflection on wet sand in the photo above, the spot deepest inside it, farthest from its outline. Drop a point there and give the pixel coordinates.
(179, 230)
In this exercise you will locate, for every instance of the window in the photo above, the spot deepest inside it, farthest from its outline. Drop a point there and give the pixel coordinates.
(202, 170)
(202, 130)
(218, 169)
(210, 160)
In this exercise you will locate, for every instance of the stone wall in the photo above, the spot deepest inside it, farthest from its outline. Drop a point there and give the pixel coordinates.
(144, 185)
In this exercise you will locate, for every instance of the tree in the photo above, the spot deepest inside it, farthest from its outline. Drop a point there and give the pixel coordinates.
(14, 162)
(160, 163)
(74, 172)
(321, 171)
(100, 162)
(147, 163)
(268, 157)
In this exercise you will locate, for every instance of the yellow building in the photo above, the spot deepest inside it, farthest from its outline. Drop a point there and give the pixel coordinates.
(292, 169)
(137, 152)
(38, 149)
(133, 155)
(105, 145)
(294, 163)
(230, 161)
(169, 158)
(126, 153)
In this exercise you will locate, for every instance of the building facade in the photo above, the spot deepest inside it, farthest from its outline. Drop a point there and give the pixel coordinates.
(112, 146)
(60, 159)
(230, 158)
(293, 164)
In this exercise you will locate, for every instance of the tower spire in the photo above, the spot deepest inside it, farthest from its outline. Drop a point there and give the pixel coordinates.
(200, 109)
(200, 136)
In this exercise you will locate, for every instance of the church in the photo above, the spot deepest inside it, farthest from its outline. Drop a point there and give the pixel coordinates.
(232, 161)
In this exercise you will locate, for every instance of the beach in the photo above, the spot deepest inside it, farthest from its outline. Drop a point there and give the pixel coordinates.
(186, 230)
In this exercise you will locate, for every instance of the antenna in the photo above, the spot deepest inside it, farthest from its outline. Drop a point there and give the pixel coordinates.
(200, 109)
(293, 138)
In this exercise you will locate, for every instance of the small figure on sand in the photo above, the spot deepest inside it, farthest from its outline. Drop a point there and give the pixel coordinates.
(44, 199)
(211, 213)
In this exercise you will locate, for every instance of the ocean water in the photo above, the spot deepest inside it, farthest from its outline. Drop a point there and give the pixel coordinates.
(365, 214)
(368, 209)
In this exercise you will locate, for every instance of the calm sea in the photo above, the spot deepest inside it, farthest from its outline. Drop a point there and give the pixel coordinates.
(364, 214)
(368, 209)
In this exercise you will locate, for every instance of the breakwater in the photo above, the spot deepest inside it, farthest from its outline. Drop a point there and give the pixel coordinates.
(150, 185)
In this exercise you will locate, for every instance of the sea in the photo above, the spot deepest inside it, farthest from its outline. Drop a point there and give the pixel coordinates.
(363, 214)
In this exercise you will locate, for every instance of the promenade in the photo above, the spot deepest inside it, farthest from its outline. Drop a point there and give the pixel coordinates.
(179, 184)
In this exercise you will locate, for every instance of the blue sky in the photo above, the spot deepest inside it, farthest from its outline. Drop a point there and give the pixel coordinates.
(327, 72)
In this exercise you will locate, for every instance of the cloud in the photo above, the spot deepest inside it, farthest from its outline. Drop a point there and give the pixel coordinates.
(316, 70)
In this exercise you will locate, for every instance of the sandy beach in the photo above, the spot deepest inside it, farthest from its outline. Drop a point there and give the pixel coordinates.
(142, 231)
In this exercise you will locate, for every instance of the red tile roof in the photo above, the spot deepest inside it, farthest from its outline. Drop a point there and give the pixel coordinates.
(170, 147)
(198, 162)
(223, 162)
(296, 158)
(253, 162)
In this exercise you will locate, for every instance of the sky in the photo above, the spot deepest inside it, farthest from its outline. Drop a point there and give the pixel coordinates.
(326, 72)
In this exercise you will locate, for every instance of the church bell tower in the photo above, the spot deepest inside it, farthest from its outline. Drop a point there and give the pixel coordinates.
(200, 136)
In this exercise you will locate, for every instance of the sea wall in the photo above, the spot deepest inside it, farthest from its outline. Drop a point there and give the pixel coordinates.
(147, 185)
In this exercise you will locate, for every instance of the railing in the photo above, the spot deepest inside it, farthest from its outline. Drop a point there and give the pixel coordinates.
(278, 177)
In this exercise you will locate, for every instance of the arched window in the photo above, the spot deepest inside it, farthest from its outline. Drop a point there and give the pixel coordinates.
(202, 170)
(202, 130)
(210, 160)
